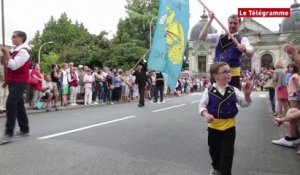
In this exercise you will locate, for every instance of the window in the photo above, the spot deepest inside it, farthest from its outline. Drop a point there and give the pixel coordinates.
(266, 60)
(202, 63)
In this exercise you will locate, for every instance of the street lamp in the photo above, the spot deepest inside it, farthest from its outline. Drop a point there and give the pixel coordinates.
(39, 56)
(150, 34)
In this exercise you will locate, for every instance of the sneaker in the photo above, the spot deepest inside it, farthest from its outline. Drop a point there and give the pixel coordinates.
(283, 142)
(21, 134)
(5, 139)
(297, 141)
(214, 172)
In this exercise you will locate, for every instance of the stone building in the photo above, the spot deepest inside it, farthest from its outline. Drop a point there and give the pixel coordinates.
(267, 44)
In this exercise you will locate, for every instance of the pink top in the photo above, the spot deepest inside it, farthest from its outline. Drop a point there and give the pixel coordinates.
(87, 79)
(293, 84)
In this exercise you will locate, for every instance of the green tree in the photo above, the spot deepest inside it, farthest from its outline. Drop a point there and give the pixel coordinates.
(132, 37)
(71, 42)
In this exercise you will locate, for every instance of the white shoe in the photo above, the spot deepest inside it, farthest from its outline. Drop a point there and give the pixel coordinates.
(5, 139)
(297, 141)
(283, 142)
(214, 172)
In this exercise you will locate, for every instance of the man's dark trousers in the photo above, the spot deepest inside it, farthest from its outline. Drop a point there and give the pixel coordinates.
(15, 109)
(141, 88)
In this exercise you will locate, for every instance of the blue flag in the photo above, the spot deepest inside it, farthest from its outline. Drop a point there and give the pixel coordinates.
(170, 39)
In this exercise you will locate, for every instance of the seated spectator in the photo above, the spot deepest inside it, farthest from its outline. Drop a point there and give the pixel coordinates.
(48, 90)
(292, 137)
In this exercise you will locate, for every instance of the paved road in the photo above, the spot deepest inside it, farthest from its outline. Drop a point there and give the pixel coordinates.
(160, 139)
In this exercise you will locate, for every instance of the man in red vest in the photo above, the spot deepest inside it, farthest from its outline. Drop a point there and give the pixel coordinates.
(17, 74)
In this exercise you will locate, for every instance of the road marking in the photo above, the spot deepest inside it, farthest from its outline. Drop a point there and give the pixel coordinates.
(84, 128)
(262, 95)
(196, 93)
(163, 109)
(197, 101)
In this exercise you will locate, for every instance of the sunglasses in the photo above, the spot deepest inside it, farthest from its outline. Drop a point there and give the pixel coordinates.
(14, 36)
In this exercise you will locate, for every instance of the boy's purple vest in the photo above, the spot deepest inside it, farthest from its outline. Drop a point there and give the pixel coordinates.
(222, 107)
(227, 51)
(20, 75)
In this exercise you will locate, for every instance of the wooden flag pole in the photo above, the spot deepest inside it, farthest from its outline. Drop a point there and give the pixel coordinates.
(223, 27)
(4, 61)
(140, 59)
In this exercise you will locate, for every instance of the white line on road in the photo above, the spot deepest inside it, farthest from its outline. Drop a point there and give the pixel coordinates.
(262, 95)
(84, 128)
(197, 101)
(196, 93)
(163, 109)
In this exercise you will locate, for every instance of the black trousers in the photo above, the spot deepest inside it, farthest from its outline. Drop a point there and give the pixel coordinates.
(221, 149)
(236, 82)
(141, 88)
(15, 109)
(159, 89)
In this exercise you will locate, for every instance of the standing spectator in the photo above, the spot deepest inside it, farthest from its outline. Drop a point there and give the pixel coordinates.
(37, 88)
(116, 82)
(80, 91)
(226, 50)
(73, 86)
(280, 87)
(55, 75)
(152, 83)
(17, 79)
(271, 90)
(64, 79)
(88, 80)
(159, 87)
(95, 85)
(293, 85)
(108, 88)
(140, 79)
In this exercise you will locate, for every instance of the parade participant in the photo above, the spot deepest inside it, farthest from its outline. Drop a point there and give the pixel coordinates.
(140, 79)
(17, 79)
(226, 50)
(159, 87)
(218, 108)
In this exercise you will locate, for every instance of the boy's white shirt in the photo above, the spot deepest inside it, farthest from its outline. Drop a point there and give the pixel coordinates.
(239, 96)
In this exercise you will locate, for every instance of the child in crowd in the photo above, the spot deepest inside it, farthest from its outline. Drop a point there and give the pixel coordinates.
(218, 107)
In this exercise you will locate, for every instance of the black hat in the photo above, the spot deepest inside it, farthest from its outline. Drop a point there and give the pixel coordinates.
(141, 63)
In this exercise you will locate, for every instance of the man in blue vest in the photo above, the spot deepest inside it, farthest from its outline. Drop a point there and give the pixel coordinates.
(226, 50)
